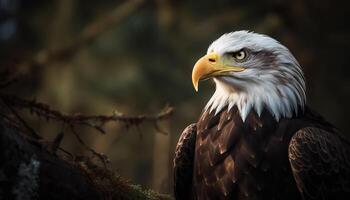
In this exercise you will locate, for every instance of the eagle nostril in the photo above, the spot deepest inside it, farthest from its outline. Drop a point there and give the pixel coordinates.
(212, 60)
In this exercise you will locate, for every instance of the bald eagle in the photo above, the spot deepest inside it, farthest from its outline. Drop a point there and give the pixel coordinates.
(256, 138)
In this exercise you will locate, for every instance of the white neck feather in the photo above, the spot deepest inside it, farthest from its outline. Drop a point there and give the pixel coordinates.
(282, 101)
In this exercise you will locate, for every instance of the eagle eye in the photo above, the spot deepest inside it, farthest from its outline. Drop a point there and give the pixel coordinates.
(239, 55)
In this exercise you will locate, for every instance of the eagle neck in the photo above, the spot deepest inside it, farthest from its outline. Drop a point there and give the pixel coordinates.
(282, 101)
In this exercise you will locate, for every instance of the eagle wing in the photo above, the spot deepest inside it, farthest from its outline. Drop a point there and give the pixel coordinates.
(183, 163)
(320, 161)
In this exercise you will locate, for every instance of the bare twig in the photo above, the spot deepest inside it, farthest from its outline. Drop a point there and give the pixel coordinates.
(101, 156)
(71, 156)
(55, 144)
(94, 121)
(156, 126)
(21, 120)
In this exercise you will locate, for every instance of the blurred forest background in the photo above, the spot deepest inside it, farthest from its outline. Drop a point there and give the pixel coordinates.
(134, 57)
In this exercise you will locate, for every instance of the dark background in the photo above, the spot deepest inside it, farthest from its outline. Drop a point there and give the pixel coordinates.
(144, 62)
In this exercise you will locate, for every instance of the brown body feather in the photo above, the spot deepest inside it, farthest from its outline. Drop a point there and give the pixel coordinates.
(222, 157)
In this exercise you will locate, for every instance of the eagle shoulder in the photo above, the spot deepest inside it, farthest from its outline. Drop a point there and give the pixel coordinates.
(183, 163)
(320, 162)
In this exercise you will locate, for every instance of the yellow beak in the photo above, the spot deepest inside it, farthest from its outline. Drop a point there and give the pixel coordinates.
(208, 66)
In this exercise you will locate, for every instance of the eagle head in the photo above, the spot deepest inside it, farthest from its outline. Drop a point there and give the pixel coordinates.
(252, 71)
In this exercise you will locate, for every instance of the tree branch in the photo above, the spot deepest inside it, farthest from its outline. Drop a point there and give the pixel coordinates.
(95, 121)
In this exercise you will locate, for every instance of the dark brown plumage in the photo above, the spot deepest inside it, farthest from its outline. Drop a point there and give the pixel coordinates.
(222, 157)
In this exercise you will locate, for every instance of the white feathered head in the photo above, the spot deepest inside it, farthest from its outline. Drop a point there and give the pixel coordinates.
(252, 71)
